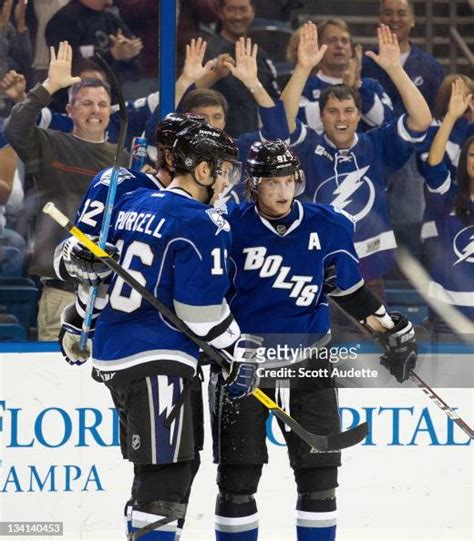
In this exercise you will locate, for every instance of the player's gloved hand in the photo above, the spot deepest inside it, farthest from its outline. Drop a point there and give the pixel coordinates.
(243, 376)
(400, 348)
(82, 264)
(69, 337)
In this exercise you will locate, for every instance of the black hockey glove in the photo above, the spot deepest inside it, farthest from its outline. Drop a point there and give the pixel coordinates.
(243, 377)
(83, 265)
(400, 348)
(69, 337)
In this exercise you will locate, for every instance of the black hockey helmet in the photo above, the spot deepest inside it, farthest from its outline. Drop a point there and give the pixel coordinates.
(166, 133)
(171, 125)
(202, 142)
(272, 159)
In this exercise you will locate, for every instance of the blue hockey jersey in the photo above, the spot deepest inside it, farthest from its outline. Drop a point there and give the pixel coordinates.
(278, 274)
(462, 130)
(422, 68)
(178, 249)
(452, 267)
(355, 179)
(90, 214)
(376, 106)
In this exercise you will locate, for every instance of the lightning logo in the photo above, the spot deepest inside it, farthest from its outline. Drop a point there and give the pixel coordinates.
(123, 174)
(345, 193)
(165, 402)
(465, 253)
(216, 216)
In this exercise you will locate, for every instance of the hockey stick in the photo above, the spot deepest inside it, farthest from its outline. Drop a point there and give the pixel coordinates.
(320, 443)
(450, 412)
(109, 202)
(419, 278)
(415, 378)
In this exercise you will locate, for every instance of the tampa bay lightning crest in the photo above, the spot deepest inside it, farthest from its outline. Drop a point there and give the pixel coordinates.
(463, 245)
(123, 174)
(216, 216)
(353, 192)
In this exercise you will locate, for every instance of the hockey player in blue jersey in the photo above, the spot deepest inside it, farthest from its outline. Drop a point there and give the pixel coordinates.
(72, 262)
(89, 215)
(282, 250)
(350, 170)
(177, 245)
(450, 203)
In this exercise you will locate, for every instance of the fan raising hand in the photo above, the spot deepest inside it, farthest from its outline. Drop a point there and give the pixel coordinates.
(389, 50)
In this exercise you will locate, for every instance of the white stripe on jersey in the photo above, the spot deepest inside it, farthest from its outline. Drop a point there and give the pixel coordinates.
(144, 357)
(379, 243)
(456, 298)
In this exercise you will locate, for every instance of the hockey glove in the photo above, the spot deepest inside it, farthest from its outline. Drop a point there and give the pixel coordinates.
(400, 348)
(82, 264)
(243, 377)
(69, 337)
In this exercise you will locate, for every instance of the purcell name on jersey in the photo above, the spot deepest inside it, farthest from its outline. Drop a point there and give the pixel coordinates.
(179, 251)
(278, 273)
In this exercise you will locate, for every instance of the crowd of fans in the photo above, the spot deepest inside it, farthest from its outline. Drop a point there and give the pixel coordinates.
(59, 125)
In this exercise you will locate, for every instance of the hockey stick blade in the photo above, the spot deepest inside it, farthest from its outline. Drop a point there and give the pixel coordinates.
(321, 443)
(330, 443)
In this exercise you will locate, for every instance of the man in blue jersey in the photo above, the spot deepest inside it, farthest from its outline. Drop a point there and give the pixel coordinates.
(282, 253)
(177, 246)
(342, 64)
(350, 170)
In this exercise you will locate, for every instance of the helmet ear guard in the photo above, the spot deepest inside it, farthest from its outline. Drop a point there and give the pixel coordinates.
(300, 182)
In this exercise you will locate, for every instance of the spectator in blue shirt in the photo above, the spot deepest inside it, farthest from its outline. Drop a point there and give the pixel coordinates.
(405, 191)
(422, 68)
